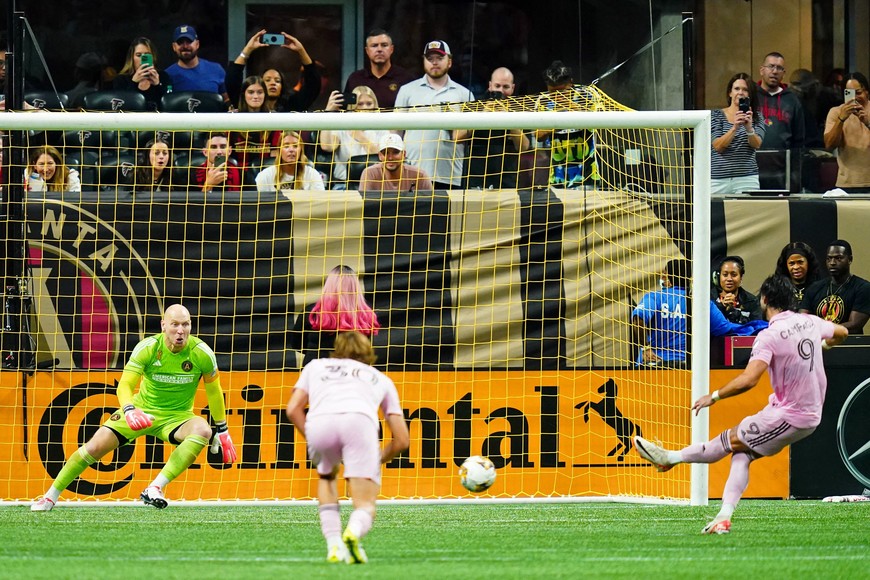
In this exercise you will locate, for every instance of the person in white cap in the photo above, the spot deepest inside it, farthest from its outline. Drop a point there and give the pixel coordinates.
(392, 173)
(438, 152)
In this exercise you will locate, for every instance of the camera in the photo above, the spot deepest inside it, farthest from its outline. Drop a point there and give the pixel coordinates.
(743, 104)
(220, 160)
(146, 59)
(349, 99)
(494, 95)
(273, 39)
(848, 95)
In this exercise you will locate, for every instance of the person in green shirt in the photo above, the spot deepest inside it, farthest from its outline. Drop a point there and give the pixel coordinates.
(168, 368)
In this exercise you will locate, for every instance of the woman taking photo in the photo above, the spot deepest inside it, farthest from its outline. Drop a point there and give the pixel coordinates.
(346, 144)
(737, 131)
(140, 73)
(847, 129)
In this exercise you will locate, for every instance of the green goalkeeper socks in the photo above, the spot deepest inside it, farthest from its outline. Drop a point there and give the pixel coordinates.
(183, 456)
(75, 465)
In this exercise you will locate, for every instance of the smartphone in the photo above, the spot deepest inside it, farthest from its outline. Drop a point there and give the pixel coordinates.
(146, 58)
(349, 99)
(273, 39)
(220, 160)
(743, 104)
(849, 95)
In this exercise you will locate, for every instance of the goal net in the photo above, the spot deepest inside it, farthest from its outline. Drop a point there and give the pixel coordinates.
(505, 291)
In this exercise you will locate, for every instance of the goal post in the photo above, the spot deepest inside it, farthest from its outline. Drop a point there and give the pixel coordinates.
(506, 313)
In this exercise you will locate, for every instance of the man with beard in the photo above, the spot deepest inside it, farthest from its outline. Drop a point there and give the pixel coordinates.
(843, 298)
(192, 73)
(438, 152)
(382, 76)
(784, 116)
(392, 173)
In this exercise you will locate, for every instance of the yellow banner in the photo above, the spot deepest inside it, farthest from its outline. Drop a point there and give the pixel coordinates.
(550, 433)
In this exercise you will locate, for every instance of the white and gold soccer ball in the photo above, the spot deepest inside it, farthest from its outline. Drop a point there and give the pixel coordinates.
(477, 473)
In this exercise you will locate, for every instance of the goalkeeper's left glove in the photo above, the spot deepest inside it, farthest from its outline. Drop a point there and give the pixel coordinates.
(223, 442)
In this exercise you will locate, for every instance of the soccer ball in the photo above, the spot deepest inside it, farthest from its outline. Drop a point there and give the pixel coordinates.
(477, 473)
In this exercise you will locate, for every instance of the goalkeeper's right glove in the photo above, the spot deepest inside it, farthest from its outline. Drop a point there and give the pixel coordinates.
(136, 419)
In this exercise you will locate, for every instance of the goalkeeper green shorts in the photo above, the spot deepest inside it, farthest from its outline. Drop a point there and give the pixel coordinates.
(165, 422)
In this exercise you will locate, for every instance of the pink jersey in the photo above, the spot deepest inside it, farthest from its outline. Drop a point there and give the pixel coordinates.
(791, 346)
(338, 385)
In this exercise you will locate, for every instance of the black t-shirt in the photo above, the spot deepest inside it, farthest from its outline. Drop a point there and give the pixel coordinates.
(835, 302)
(493, 161)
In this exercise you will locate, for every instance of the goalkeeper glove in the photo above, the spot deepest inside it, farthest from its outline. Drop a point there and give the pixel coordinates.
(223, 442)
(136, 419)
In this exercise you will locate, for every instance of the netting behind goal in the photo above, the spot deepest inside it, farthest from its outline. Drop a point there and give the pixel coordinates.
(505, 305)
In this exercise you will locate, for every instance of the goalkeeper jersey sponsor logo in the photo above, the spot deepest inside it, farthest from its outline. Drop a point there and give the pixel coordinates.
(174, 379)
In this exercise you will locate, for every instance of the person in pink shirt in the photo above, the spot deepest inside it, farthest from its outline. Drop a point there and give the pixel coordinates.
(343, 394)
(790, 350)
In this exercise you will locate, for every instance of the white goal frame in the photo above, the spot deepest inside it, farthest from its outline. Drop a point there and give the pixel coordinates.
(696, 121)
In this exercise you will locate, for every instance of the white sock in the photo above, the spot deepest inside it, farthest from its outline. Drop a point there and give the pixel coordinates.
(726, 511)
(53, 494)
(160, 481)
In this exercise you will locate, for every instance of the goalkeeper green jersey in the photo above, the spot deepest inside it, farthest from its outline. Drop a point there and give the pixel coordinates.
(169, 379)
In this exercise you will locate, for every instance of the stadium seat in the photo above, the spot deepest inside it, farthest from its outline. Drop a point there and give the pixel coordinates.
(87, 163)
(118, 172)
(115, 101)
(323, 163)
(192, 102)
(48, 100)
(355, 167)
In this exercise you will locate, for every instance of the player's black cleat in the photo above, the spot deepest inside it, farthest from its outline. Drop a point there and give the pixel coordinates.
(153, 495)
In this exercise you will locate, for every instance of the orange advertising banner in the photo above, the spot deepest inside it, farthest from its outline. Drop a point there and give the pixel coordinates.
(550, 433)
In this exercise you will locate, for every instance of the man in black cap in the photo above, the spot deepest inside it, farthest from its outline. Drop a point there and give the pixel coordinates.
(192, 73)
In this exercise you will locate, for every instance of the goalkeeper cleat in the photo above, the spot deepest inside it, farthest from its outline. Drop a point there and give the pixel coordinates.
(718, 526)
(355, 549)
(42, 505)
(653, 453)
(153, 495)
(338, 553)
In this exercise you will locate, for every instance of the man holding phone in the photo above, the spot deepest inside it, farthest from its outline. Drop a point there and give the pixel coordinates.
(217, 173)
(846, 129)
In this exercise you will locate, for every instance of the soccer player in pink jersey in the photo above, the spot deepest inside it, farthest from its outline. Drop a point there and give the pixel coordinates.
(790, 349)
(343, 394)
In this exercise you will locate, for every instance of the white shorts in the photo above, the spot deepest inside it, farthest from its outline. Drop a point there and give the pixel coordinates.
(349, 438)
(729, 185)
(767, 432)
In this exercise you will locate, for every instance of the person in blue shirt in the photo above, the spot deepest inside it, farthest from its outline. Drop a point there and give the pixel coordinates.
(660, 319)
(192, 73)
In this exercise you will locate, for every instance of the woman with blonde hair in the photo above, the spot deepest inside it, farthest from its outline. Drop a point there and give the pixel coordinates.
(291, 169)
(46, 171)
(346, 144)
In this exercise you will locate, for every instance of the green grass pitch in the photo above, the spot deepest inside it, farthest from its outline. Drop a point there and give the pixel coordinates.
(773, 539)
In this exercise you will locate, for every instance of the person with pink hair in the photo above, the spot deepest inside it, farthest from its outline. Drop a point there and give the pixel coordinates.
(342, 307)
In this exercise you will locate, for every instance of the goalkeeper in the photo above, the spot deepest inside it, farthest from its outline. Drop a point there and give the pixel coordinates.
(169, 365)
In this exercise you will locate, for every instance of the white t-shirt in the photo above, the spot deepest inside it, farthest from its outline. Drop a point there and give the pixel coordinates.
(340, 385)
(349, 147)
(268, 183)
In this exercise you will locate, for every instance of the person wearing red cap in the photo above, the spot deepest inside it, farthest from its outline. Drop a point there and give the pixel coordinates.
(439, 153)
